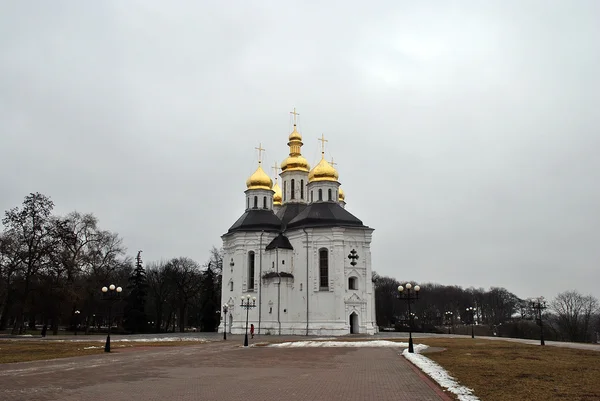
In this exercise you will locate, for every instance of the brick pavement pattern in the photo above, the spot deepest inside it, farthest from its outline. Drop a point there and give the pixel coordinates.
(220, 371)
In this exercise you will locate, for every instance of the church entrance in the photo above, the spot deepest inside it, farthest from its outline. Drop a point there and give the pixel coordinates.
(353, 323)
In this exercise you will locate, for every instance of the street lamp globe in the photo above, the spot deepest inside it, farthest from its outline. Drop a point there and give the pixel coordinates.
(253, 299)
(104, 289)
(400, 288)
(119, 289)
(408, 286)
(112, 287)
(248, 297)
(417, 288)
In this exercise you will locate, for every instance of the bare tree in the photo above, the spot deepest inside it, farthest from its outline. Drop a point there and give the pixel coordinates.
(160, 291)
(30, 226)
(185, 275)
(574, 314)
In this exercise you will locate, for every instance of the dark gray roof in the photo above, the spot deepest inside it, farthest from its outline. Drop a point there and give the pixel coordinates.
(281, 242)
(324, 214)
(257, 220)
(289, 211)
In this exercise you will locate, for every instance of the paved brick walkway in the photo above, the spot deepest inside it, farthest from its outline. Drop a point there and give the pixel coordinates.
(220, 371)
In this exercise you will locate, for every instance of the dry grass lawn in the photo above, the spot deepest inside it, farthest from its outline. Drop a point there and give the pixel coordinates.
(31, 350)
(503, 371)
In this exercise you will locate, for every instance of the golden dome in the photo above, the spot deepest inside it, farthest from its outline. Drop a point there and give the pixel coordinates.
(295, 135)
(295, 161)
(323, 172)
(259, 180)
(341, 195)
(277, 195)
(292, 163)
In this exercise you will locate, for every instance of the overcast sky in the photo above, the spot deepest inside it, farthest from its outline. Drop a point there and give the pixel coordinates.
(466, 132)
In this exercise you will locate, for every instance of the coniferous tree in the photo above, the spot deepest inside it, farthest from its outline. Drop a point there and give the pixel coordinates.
(135, 312)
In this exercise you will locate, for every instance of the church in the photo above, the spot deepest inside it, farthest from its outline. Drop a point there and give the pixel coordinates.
(300, 258)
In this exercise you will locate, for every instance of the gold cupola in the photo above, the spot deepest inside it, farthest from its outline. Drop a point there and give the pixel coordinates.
(341, 195)
(295, 161)
(323, 171)
(259, 179)
(277, 194)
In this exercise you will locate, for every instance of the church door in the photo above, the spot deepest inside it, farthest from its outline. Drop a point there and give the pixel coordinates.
(230, 322)
(353, 323)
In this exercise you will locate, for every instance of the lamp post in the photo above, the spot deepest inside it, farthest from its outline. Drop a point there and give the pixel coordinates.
(110, 294)
(471, 310)
(409, 294)
(76, 320)
(538, 305)
(449, 320)
(247, 305)
(225, 310)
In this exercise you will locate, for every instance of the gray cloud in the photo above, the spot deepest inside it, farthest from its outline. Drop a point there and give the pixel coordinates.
(466, 132)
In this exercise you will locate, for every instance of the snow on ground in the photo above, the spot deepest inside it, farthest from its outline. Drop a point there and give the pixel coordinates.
(161, 339)
(440, 375)
(373, 343)
(135, 340)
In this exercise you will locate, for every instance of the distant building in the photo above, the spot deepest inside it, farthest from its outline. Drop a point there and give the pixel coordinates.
(305, 258)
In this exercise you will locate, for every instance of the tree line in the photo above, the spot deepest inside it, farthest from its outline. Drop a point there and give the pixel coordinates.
(52, 269)
(570, 316)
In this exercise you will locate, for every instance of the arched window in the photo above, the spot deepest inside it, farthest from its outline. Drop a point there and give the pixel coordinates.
(353, 283)
(292, 188)
(251, 271)
(301, 189)
(311, 196)
(284, 191)
(248, 203)
(255, 202)
(329, 194)
(264, 202)
(231, 286)
(320, 194)
(323, 269)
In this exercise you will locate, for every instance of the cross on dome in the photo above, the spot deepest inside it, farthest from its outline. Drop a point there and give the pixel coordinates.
(323, 140)
(295, 114)
(260, 150)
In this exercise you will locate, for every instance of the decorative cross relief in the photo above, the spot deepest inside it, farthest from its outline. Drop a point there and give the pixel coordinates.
(353, 256)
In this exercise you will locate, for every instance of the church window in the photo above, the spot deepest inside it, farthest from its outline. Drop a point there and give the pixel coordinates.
(311, 196)
(272, 265)
(270, 309)
(323, 269)
(329, 192)
(231, 286)
(353, 283)
(284, 191)
(301, 189)
(320, 194)
(251, 271)
(283, 262)
(264, 202)
(255, 202)
(300, 286)
(248, 203)
(292, 188)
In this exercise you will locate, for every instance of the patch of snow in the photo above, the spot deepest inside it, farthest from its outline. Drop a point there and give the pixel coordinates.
(161, 339)
(440, 375)
(373, 343)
